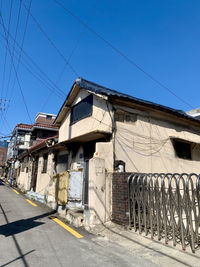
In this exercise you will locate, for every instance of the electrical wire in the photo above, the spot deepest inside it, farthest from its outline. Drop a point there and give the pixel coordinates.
(5, 60)
(122, 54)
(36, 75)
(71, 54)
(52, 43)
(36, 65)
(78, 40)
(23, 98)
(22, 44)
(15, 37)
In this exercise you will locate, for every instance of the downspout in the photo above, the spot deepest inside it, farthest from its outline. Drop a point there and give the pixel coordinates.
(114, 129)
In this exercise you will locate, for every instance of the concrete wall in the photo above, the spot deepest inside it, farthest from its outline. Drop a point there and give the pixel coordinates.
(44, 179)
(23, 174)
(145, 145)
(24, 178)
(100, 120)
(104, 150)
(22, 181)
(99, 193)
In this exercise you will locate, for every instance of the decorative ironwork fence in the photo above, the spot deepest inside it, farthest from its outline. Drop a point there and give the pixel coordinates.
(166, 206)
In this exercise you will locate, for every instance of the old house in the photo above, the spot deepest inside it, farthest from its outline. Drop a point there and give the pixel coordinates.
(103, 131)
(26, 135)
(37, 168)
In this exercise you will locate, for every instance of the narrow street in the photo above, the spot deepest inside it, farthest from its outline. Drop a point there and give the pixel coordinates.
(28, 237)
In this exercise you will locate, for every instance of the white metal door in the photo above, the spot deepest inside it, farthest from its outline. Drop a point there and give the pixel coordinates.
(75, 185)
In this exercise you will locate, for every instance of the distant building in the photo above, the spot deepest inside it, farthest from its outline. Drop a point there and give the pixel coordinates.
(3, 153)
(195, 113)
(26, 135)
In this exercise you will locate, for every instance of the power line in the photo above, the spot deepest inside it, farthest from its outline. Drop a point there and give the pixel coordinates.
(23, 98)
(22, 44)
(15, 36)
(72, 52)
(52, 43)
(78, 40)
(122, 54)
(5, 137)
(6, 122)
(5, 60)
(38, 76)
(36, 65)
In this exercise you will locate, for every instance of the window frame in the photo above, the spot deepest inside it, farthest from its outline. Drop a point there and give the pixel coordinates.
(122, 116)
(45, 163)
(78, 104)
(184, 152)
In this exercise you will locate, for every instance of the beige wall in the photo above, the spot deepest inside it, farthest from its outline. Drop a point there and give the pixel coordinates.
(100, 120)
(44, 179)
(145, 145)
(104, 150)
(99, 193)
(24, 178)
(22, 181)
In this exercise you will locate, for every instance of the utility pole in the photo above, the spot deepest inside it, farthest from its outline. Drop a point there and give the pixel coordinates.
(3, 104)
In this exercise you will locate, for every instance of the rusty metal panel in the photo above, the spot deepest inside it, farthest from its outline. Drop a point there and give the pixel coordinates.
(61, 187)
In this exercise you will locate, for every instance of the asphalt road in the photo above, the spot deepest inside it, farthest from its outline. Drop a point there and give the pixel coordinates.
(28, 237)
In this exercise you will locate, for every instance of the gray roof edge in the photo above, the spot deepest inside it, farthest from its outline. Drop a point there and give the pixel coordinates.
(96, 88)
(87, 85)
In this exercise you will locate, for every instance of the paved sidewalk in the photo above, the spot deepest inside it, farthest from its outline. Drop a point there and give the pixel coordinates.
(144, 247)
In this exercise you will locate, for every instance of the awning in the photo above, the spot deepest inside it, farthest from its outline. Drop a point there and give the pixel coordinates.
(91, 136)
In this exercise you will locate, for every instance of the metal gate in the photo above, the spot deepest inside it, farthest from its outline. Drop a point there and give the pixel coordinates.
(166, 206)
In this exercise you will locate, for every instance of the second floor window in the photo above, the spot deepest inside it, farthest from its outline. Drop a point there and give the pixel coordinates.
(82, 110)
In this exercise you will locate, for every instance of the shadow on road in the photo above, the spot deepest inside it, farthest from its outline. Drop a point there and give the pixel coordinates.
(18, 258)
(23, 225)
(10, 229)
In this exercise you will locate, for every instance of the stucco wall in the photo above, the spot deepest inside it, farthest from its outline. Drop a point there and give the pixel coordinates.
(44, 179)
(104, 150)
(99, 193)
(145, 145)
(100, 120)
(23, 181)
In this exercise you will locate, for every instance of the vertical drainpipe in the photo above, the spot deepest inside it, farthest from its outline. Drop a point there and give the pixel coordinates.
(112, 116)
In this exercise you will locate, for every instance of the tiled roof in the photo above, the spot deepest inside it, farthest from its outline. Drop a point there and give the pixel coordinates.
(41, 144)
(41, 125)
(35, 125)
(24, 126)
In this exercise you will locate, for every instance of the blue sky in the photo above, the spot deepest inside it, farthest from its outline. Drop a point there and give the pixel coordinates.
(162, 37)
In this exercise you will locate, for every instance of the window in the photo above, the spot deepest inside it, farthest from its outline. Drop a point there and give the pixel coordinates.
(123, 116)
(49, 117)
(45, 160)
(81, 110)
(62, 163)
(182, 149)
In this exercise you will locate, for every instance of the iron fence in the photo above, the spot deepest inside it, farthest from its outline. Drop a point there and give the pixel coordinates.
(166, 205)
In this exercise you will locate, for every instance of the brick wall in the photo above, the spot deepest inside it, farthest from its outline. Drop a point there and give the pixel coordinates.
(44, 120)
(120, 198)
